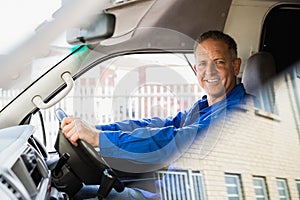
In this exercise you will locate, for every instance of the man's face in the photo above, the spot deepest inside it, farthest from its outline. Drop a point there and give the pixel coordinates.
(216, 69)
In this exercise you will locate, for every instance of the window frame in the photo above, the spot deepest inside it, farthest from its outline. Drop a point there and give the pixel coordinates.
(285, 189)
(270, 41)
(263, 187)
(238, 186)
(76, 103)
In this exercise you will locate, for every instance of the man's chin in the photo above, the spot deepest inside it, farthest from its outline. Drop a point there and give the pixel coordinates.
(217, 89)
(216, 94)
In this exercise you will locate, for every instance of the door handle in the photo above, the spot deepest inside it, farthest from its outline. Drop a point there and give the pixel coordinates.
(38, 101)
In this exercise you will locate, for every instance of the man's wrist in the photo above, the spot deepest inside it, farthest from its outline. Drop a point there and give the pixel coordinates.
(98, 139)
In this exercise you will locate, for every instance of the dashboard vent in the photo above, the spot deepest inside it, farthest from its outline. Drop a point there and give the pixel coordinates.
(9, 188)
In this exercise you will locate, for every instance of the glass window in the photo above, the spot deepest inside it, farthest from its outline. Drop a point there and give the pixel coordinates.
(185, 184)
(18, 31)
(233, 186)
(129, 87)
(259, 184)
(265, 100)
(282, 189)
(298, 187)
(271, 39)
(293, 88)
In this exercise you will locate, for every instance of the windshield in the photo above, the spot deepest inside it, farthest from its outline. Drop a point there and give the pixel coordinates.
(22, 20)
(37, 37)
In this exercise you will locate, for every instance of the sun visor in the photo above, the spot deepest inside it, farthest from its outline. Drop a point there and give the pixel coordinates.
(99, 27)
(165, 24)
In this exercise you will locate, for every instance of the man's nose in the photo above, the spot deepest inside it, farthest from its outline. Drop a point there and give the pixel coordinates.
(211, 68)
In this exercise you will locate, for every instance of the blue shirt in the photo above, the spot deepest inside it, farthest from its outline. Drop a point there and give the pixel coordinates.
(158, 140)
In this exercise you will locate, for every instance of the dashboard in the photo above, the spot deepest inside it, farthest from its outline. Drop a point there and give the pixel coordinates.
(23, 170)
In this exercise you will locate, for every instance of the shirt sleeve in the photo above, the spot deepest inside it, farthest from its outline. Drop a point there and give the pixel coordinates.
(131, 125)
(147, 145)
(140, 140)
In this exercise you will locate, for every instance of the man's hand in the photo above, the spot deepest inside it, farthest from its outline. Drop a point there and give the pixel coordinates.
(75, 128)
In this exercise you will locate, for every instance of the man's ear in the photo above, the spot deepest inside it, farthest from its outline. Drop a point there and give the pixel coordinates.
(237, 66)
(195, 68)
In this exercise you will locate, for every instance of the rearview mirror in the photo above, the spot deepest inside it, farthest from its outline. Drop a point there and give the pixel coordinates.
(97, 28)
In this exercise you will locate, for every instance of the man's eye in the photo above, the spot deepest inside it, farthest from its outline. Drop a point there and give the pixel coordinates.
(220, 62)
(202, 64)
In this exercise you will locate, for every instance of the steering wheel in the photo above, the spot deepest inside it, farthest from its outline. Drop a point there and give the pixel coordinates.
(86, 162)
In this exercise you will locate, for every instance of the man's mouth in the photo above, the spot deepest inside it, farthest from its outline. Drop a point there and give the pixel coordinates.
(212, 80)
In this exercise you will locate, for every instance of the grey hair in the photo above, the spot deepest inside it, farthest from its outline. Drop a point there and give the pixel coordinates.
(218, 35)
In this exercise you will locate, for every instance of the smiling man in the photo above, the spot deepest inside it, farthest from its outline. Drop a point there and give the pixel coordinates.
(161, 141)
(217, 65)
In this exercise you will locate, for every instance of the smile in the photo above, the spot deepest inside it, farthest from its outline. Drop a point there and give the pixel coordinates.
(212, 80)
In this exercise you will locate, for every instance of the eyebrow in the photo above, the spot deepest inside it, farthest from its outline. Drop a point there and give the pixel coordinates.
(221, 58)
(206, 59)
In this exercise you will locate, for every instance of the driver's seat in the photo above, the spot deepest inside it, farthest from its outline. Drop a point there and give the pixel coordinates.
(258, 81)
(259, 69)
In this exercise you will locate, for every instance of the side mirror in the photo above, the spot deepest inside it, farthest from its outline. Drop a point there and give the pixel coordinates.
(99, 27)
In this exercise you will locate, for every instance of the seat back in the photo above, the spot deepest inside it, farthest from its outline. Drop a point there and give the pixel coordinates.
(259, 69)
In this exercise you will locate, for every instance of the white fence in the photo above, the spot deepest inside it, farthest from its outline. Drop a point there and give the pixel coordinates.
(102, 105)
(6, 96)
(181, 185)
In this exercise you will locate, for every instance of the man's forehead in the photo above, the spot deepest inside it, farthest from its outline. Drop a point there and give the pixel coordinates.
(204, 53)
(212, 49)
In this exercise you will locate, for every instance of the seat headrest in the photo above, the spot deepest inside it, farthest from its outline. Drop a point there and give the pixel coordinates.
(259, 69)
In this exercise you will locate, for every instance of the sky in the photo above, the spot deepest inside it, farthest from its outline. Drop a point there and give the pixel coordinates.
(19, 18)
